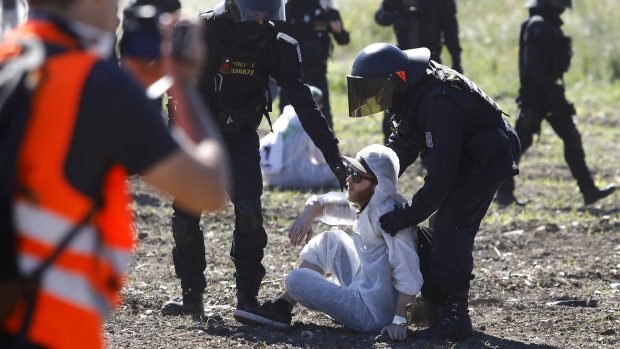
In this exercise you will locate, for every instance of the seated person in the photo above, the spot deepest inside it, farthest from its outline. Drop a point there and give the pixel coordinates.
(289, 158)
(373, 274)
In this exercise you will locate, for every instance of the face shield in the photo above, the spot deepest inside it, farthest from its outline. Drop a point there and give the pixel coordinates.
(256, 10)
(369, 95)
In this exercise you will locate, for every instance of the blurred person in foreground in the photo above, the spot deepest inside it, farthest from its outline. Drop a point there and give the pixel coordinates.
(544, 57)
(313, 23)
(468, 150)
(363, 280)
(245, 49)
(422, 23)
(89, 125)
(289, 159)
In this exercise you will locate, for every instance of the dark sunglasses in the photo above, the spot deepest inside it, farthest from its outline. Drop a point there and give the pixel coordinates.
(357, 177)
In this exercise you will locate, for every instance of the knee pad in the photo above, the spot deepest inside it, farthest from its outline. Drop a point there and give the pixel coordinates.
(248, 215)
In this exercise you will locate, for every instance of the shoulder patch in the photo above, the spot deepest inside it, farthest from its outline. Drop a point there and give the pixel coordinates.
(429, 139)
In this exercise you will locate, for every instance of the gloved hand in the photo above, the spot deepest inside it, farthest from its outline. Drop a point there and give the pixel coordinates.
(339, 168)
(393, 222)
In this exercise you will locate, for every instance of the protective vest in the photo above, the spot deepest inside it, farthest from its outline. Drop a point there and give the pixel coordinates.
(81, 287)
(235, 81)
(556, 46)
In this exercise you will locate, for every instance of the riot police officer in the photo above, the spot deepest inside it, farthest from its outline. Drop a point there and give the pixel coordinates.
(422, 23)
(312, 23)
(544, 56)
(244, 50)
(467, 148)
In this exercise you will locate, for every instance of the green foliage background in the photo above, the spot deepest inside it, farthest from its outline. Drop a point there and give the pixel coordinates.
(489, 31)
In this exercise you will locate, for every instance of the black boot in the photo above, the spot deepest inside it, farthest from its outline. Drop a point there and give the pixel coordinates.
(592, 196)
(276, 314)
(191, 305)
(247, 306)
(422, 312)
(454, 323)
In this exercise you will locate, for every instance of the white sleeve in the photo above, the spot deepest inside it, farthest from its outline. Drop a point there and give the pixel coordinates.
(404, 262)
(336, 208)
(403, 257)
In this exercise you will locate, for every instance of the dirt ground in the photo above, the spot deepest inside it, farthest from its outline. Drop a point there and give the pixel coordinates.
(519, 266)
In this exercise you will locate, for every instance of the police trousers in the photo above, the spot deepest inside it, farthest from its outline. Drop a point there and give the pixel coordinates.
(249, 237)
(447, 264)
(529, 122)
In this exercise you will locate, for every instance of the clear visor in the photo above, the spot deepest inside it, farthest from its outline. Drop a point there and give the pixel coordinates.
(260, 10)
(368, 96)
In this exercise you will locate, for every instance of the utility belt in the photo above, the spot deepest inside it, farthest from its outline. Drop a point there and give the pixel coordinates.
(236, 113)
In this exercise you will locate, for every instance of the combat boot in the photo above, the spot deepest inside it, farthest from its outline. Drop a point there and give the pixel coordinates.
(594, 195)
(454, 323)
(422, 312)
(276, 314)
(192, 304)
(247, 307)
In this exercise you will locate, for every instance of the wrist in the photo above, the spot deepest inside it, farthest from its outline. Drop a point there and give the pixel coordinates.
(399, 320)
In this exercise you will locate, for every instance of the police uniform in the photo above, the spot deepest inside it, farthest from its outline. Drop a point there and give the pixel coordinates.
(309, 23)
(468, 150)
(422, 23)
(234, 85)
(544, 56)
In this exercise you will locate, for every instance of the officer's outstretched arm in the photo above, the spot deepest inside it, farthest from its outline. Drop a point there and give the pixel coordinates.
(443, 126)
(406, 150)
(288, 75)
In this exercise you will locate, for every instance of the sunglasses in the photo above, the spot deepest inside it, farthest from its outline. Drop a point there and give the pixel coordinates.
(357, 177)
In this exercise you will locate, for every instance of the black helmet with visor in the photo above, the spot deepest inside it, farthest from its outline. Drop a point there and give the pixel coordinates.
(379, 71)
(255, 10)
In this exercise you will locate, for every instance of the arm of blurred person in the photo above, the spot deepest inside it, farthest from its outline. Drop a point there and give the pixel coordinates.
(197, 174)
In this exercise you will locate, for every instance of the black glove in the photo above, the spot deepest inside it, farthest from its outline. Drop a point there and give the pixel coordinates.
(395, 221)
(339, 168)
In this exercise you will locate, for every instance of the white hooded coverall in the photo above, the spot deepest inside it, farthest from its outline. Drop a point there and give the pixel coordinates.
(368, 267)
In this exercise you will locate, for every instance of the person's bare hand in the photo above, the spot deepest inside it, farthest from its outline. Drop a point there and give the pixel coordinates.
(396, 332)
(301, 228)
(336, 26)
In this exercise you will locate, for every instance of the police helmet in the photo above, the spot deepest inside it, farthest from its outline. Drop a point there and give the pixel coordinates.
(378, 71)
(554, 3)
(253, 10)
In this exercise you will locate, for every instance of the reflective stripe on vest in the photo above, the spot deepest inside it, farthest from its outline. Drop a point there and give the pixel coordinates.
(47, 227)
(82, 285)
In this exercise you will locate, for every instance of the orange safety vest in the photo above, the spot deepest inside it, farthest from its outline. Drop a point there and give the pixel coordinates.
(82, 286)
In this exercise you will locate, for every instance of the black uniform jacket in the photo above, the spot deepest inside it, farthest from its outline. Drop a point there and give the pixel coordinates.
(309, 23)
(544, 56)
(237, 73)
(461, 139)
